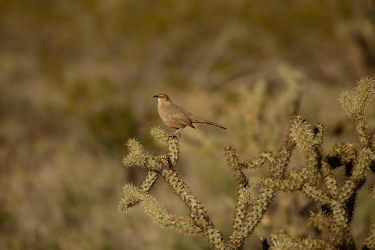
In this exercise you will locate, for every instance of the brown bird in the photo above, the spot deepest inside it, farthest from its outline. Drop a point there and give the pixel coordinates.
(176, 117)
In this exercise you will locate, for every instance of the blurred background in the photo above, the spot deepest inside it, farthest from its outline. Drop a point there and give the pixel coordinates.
(77, 80)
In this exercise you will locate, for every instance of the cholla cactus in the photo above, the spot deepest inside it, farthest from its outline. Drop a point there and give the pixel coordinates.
(315, 179)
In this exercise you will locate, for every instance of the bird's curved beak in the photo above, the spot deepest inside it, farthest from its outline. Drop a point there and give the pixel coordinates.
(156, 96)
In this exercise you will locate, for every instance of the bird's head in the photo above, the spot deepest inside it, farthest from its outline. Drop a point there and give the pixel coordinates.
(162, 98)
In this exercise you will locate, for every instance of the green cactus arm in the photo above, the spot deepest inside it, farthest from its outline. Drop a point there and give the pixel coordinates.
(340, 226)
(252, 218)
(181, 224)
(146, 186)
(138, 156)
(233, 162)
(370, 239)
(316, 193)
(281, 159)
(198, 212)
(355, 107)
(159, 135)
(320, 220)
(305, 140)
(259, 161)
(282, 240)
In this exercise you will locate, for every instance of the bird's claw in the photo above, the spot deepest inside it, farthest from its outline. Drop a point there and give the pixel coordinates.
(173, 135)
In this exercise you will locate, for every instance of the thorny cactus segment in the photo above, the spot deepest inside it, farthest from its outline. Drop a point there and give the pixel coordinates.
(233, 162)
(127, 203)
(159, 135)
(302, 135)
(259, 161)
(282, 157)
(284, 241)
(347, 103)
(362, 131)
(232, 158)
(316, 193)
(365, 157)
(180, 224)
(293, 183)
(245, 196)
(311, 144)
(316, 179)
(356, 106)
(147, 184)
(139, 157)
(342, 153)
(346, 190)
(331, 185)
(320, 220)
(318, 135)
(251, 219)
(174, 149)
(198, 212)
(370, 239)
(149, 181)
(257, 211)
(363, 91)
(340, 226)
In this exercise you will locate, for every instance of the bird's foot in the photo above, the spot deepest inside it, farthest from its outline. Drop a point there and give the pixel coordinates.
(175, 134)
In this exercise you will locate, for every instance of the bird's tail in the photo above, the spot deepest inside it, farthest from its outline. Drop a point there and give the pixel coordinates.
(195, 119)
(213, 124)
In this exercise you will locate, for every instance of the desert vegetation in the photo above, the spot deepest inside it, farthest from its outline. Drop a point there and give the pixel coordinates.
(316, 179)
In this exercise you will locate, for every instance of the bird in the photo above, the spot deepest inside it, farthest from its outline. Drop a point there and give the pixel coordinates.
(176, 117)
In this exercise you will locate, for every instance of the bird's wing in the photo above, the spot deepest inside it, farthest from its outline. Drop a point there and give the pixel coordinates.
(179, 116)
(192, 117)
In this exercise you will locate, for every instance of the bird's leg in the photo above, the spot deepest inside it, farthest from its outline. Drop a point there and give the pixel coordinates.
(176, 133)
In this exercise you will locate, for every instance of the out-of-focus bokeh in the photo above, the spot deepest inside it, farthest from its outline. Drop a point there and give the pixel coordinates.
(77, 80)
